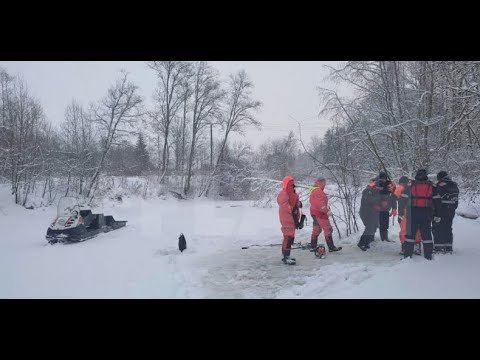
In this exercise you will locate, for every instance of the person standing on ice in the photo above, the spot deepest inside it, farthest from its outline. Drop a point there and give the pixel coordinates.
(447, 194)
(288, 211)
(320, 211)
(403, 182)
(420, 199)
(388, 202)
(370, 206)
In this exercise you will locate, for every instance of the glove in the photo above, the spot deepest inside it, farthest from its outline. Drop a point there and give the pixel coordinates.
(393, 212)
(437, 219)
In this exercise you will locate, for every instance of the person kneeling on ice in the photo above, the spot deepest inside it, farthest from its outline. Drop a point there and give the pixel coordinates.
(288, 211)
(320, 211)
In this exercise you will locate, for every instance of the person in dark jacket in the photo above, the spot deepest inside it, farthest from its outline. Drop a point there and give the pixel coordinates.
(388, 202)
(369, 208)
(447, 194)
(421, 201)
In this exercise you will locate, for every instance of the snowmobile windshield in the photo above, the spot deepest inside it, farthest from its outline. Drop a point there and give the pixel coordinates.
(67, 205)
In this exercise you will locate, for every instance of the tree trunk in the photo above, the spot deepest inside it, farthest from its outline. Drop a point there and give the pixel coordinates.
(94, 178)
(186, 188)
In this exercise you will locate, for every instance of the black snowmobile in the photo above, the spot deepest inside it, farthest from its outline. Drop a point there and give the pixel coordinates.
(75, 223)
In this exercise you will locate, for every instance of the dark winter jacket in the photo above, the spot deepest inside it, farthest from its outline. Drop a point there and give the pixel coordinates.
(419, 194)
(371, 200)
(388, 200)
(447, 190)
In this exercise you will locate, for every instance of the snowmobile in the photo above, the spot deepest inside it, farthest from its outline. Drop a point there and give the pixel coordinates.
(75, 223)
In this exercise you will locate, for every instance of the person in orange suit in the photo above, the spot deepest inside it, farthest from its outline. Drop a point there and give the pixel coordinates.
(402, 219)
(289, 214)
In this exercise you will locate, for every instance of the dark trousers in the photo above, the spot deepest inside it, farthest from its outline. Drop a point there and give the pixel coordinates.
(370, 221)
(383, 218)
(442, 231)
(419, 218)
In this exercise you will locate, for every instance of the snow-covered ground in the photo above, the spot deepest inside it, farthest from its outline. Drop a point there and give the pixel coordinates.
(142, 259)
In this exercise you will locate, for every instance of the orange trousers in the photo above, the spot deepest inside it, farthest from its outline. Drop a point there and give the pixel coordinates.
(403, 231)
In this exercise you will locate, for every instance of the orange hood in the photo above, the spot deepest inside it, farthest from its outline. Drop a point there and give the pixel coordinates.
(286, 180)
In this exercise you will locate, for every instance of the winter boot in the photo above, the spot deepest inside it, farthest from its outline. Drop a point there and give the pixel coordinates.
(313, 244)
(417, 249)
(286, 252)
(428, 249)
(363, 243)
(402, 252)
(384, 235)
(331, 246)
(408, 247)
(289, 260)
(439, 249)
(370, 239)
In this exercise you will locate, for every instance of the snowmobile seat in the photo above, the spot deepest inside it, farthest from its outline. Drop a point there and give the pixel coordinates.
(111, 222)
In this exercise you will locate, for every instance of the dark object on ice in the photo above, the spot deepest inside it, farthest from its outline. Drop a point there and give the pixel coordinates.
(75, 223)
(177, 195)
(182, 243)
(302, 221)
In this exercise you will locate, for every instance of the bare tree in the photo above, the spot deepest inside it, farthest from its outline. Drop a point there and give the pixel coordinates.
(277, 157)
(239, 108)
(205, 105)
(27, 141)
(168, 97)
(238, 112)
(79, 143)
(115, 116)
(405, 115)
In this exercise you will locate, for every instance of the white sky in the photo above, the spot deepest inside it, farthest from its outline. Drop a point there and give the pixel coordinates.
(286, 88)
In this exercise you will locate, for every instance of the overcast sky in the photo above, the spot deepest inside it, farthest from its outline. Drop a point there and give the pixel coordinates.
(286, 88)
